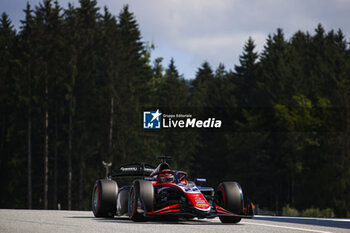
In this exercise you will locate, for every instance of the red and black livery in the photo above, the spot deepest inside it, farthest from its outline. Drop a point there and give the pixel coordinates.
(162, 192)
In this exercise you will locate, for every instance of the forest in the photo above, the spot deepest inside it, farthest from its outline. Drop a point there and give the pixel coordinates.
(74, 83)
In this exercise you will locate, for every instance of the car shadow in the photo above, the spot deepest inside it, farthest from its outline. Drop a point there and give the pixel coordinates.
(126, 220)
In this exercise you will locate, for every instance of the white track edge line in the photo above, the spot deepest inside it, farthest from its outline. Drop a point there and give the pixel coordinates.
(286, 227)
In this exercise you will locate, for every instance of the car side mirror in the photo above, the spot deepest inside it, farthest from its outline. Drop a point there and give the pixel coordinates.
(200, 181)
(149, 178)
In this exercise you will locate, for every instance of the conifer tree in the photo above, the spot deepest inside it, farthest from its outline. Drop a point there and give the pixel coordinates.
(11, 146)
(86, 93)
(276, 75)
(134, 89)
(246, 75)
(26, 37)
(173, 94)
(201, 86)
(70, 27)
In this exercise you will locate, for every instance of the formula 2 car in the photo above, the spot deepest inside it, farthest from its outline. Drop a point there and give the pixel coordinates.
(162, 192)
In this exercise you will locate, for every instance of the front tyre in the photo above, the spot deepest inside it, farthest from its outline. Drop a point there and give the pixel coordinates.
(104, 198)
(141, 196)
(229, 195)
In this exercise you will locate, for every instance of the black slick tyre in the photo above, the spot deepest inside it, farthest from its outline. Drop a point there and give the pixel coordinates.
(140, 202)
(104, 198)
(229, 195)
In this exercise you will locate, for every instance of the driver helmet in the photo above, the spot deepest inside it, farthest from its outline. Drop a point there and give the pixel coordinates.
(165, 178)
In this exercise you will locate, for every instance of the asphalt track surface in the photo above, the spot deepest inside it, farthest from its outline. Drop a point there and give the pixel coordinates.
(83, 221)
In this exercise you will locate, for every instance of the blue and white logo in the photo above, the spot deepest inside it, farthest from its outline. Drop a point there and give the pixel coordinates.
(151, 120)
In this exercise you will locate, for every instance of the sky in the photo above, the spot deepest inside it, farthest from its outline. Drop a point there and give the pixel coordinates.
(194, 31)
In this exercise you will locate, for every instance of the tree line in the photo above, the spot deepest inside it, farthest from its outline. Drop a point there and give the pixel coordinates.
(74, 83)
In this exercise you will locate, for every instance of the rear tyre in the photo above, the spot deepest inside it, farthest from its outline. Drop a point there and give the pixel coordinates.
(229, 195)
(141, 196)
(104, 198)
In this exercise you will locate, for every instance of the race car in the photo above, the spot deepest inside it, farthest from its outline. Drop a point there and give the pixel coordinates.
(161, 192)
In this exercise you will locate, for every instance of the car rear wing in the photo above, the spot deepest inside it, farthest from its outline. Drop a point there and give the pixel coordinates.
(135, 169)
